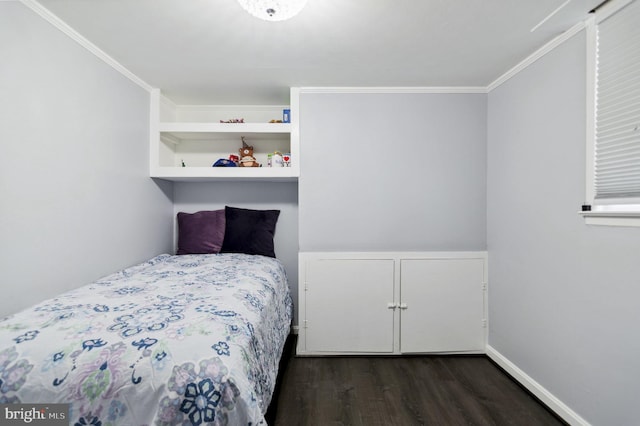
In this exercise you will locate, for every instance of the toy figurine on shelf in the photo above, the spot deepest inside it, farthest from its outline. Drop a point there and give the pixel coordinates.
(246, 156)
(224, 163)
(233, 120)
(276, 159)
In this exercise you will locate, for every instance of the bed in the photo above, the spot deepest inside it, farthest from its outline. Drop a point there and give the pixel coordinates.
(189, 339)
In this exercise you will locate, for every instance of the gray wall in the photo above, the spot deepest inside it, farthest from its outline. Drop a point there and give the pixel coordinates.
(392, 172)
(379, 172)
(77, 202)
(563, 296)
(191, 197)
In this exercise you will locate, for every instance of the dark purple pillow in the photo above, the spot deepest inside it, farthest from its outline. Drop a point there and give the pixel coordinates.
(250, 231)
(201, 232)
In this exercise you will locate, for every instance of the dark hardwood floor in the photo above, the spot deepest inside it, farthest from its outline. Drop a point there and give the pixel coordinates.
(416, 390)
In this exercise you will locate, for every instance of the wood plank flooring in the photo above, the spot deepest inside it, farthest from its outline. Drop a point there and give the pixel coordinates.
(403, 391)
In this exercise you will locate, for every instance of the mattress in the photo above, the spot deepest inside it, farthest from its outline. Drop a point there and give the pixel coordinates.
(192, 339)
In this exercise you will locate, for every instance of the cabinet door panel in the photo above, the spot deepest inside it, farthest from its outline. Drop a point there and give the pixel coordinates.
(444, 305)
(346, 305)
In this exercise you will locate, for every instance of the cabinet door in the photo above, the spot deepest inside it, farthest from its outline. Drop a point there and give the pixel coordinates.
(444, 301)
(346, 305)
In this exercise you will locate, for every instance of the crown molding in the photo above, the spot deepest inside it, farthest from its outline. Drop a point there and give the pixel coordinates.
(47, 15)
(379, 90)
(537, 55)
(166, 102)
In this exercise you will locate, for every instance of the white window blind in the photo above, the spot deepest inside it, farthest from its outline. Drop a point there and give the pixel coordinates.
(617, 117)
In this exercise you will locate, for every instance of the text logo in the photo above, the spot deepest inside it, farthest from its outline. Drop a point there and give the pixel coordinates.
(36, 414)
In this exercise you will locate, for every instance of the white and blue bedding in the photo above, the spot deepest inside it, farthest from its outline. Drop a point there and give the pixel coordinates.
(193, 339)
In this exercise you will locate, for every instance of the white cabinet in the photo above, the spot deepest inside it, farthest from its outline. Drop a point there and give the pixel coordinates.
(346, 305)
(442, 305)
(185, 141)
(392, 303)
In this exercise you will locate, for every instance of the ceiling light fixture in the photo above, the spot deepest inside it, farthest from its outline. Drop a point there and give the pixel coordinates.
(273, 10)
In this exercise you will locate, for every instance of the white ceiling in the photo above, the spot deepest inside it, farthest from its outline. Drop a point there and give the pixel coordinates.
(213, 52)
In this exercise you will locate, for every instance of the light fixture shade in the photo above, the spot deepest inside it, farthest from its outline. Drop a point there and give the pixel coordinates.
(273, 10)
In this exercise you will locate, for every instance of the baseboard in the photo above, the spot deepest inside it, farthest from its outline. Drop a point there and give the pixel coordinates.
(557, 406)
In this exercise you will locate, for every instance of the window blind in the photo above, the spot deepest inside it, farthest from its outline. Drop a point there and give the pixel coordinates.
(617, 143)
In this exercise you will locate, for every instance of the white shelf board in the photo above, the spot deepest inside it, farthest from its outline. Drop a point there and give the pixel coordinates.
(185, 127)
(207, 174)
(177, 137)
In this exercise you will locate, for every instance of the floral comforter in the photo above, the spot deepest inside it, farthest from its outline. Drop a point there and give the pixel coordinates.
(192, 339)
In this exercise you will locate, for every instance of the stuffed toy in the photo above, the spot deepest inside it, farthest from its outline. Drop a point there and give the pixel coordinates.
(246, 156)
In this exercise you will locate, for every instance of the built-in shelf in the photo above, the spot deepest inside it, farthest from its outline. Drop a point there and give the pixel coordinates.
(195, 137)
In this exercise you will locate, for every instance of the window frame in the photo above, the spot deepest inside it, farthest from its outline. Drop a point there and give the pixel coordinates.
(620, 212)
